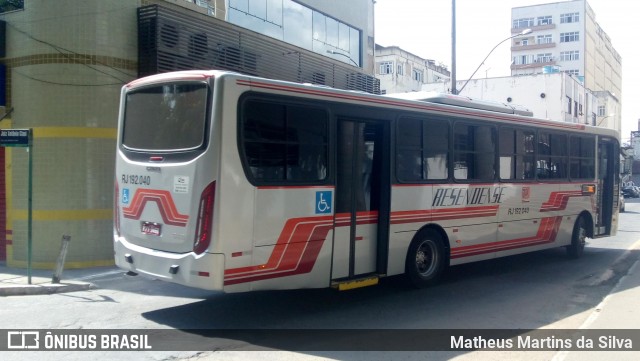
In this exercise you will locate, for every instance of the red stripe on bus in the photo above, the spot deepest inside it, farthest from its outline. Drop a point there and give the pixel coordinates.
(294, 187)
(295, 252)
(301, 239)
(518, 184)
(164, 202)
(547, 232)
(431, 215)
(558, 200)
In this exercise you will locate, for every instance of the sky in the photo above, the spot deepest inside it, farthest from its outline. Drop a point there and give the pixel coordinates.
(423, 27)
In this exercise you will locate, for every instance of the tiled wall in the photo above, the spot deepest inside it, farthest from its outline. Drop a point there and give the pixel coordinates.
(66, 62)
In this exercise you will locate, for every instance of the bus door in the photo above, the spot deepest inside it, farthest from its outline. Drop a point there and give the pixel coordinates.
(362, 200)
(608, 184)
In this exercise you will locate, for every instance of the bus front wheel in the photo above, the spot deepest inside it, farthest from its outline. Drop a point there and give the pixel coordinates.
(425, 259)
(578, 238)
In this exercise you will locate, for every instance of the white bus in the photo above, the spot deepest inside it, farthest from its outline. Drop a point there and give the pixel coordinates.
(236, 183)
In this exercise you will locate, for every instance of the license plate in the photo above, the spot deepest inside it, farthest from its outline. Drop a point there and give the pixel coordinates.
(151, 228)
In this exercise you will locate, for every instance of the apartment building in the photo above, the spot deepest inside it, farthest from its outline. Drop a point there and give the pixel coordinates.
(400, 71)
(566, 37)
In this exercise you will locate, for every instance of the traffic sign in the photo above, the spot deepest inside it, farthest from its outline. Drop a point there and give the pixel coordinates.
(15, 137)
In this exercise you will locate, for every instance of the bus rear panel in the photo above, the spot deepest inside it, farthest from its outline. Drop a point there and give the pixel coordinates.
(165, 182)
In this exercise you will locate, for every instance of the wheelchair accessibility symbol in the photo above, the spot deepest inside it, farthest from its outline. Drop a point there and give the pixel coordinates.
(125, 196)
(323, 202)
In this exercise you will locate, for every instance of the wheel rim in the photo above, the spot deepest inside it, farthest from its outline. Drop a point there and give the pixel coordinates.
(426, 257)
(582, 234)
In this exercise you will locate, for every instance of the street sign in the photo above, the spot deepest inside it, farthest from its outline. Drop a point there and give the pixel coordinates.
(15, 137)
(22, 138)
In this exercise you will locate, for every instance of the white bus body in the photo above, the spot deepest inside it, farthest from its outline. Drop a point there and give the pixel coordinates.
(235, 183)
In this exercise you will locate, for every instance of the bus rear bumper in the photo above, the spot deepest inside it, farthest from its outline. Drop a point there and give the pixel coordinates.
(205, 271)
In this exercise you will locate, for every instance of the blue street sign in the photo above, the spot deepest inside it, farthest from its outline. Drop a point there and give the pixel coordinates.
(15, 137)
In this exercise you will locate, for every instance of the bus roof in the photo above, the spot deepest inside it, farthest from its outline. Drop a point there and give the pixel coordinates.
(463, 101)
(519, 113)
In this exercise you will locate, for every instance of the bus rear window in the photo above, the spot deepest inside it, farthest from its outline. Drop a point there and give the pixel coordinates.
(166, 117)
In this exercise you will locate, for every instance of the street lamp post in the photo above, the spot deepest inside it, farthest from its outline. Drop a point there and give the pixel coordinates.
(524, 32)
(605, 117)
(453, 48)
(345, 55)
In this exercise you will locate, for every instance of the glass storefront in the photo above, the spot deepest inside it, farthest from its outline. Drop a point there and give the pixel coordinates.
(298, 25)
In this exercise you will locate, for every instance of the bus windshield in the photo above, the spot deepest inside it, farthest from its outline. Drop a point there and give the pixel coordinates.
(166, 117)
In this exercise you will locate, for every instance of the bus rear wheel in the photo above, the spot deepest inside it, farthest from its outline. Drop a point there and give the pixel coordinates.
(425, 259)
(578, 238)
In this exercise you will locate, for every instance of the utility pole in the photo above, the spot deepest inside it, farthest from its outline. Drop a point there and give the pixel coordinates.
(453, 48)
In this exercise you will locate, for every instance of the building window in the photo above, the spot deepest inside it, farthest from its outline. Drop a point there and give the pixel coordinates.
(299, 25)
(523, 23)
(386, 67)
(569, 105)
(544, 58)
(400, 69)
(545, 20)
(569, 18)
(569, 37)
(569, 55)
(574, 72)
(601, 110)
(417, 75)
(523, 59)
(544, 39)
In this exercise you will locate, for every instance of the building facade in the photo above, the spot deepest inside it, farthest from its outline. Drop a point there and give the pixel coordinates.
(400, 71)
(566, 37)
(555, 96)
(64, 65)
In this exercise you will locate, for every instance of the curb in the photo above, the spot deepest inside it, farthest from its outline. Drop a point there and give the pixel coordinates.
(44, 289)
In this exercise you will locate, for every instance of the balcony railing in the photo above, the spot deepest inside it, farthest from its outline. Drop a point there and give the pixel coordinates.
(534, 28)
(536, 64)
(533, 46)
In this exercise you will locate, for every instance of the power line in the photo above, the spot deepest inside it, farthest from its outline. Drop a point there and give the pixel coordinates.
(65, 84)
(60, 50)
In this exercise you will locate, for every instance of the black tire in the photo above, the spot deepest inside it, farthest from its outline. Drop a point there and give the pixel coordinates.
(425, 261)
(578, 238)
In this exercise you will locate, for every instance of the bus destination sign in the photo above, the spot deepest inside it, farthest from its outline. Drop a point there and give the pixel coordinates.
(14, 137)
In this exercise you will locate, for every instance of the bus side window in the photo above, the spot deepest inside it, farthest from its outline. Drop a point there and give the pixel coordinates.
(516, 154)
(284, 143)
(474, 152)
(422, 149)
(582, 157)
(552, 156)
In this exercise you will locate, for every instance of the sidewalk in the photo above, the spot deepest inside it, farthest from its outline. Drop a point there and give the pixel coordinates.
(15, 281)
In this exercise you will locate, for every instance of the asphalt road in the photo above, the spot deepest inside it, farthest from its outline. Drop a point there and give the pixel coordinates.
(538, 290)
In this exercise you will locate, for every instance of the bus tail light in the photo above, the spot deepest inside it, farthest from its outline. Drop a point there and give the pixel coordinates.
(204, 227)
(116, 209)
